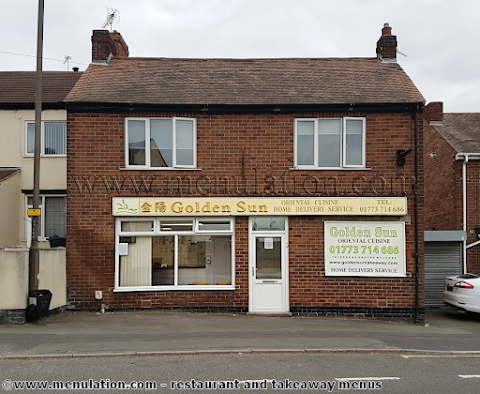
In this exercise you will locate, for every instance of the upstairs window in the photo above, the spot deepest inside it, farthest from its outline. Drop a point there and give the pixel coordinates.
(161, 143)
(53, 139)
(330, 143)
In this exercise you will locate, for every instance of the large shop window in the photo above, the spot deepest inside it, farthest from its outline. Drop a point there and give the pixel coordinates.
(174, 254)
(330, 143)
(53, 219)
(53, 139)
(160, 143)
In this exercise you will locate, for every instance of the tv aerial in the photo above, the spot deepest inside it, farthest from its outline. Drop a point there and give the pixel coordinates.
(113, 16)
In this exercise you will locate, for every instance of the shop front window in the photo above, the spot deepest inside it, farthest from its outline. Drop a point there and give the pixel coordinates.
(180, 254)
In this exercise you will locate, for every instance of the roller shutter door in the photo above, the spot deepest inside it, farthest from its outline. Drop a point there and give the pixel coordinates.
(442, 259)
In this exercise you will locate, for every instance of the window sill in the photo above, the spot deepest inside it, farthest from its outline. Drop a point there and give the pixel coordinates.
(158, 169)
(174, 288)
(44, 156)
(331, 169)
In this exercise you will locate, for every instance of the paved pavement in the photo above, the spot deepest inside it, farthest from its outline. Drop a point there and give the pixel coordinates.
(73, 334)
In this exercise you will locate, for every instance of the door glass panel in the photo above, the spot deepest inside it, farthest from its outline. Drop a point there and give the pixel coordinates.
(268, 257)
(268, 224)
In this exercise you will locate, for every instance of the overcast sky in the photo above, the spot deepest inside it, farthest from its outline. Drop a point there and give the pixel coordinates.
(437, 37)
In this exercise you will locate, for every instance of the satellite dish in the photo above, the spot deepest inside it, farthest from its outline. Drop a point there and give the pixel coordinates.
(113, 16)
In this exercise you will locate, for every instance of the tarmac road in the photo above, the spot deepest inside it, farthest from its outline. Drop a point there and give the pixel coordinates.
(268, 372)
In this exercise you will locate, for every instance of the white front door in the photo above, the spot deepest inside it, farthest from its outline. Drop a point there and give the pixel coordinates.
(268, 265)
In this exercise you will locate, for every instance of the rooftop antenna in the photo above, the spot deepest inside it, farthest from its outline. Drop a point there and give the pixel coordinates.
(67, 60)
(113, 16)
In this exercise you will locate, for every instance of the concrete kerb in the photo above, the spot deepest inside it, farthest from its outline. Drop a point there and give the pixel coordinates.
(404, 352)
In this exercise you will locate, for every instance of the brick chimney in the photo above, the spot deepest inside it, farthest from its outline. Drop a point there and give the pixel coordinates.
(433, 112)
(106, 45)
(387, 45)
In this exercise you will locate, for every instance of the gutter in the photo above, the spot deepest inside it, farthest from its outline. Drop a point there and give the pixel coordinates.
(466, 157)
(209, 108)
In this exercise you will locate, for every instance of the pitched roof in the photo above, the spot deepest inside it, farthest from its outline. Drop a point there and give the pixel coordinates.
(245, 82)
(18, 87)
(461, 131)
(6, 172)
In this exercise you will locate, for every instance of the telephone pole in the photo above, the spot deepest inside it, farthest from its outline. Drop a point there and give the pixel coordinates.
(34, 252)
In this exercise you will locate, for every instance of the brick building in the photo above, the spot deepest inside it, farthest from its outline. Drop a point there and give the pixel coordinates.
(452, 218)
(247, 185)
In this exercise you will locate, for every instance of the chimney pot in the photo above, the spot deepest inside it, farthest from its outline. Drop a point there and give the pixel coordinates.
(387, 30)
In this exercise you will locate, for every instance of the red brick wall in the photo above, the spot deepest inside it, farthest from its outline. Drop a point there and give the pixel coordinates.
(310, 286)
(444, 192)
(96, 147)
(102, 45)
(443, 184)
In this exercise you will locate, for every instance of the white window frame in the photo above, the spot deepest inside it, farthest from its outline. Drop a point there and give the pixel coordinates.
(147, 165)
(42, 138)
(41, 234)
(343, 147)
(158, 232)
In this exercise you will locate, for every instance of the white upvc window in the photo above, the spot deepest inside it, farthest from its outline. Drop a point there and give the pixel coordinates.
(330, 143)
(157, 143)
(53, 219)
(174, 254)
(53, 139)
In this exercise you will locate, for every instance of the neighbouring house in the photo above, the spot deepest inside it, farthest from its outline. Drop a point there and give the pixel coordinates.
(452, 190)
(17, 130)
(275, 186)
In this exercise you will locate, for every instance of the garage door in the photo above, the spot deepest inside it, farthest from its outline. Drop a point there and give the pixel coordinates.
(441, 260)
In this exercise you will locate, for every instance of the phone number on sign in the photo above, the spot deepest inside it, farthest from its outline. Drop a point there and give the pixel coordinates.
(363, 249)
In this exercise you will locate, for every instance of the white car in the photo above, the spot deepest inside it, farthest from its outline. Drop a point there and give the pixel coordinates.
(463, 292)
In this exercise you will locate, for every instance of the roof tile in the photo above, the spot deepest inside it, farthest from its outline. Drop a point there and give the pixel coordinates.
(461, 131)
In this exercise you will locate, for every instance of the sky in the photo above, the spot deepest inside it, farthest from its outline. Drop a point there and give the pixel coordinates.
(436, 38)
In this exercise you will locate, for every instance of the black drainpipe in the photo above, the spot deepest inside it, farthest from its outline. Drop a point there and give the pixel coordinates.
(416, 320)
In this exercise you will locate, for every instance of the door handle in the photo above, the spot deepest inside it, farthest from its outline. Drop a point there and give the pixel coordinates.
(254, 270)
